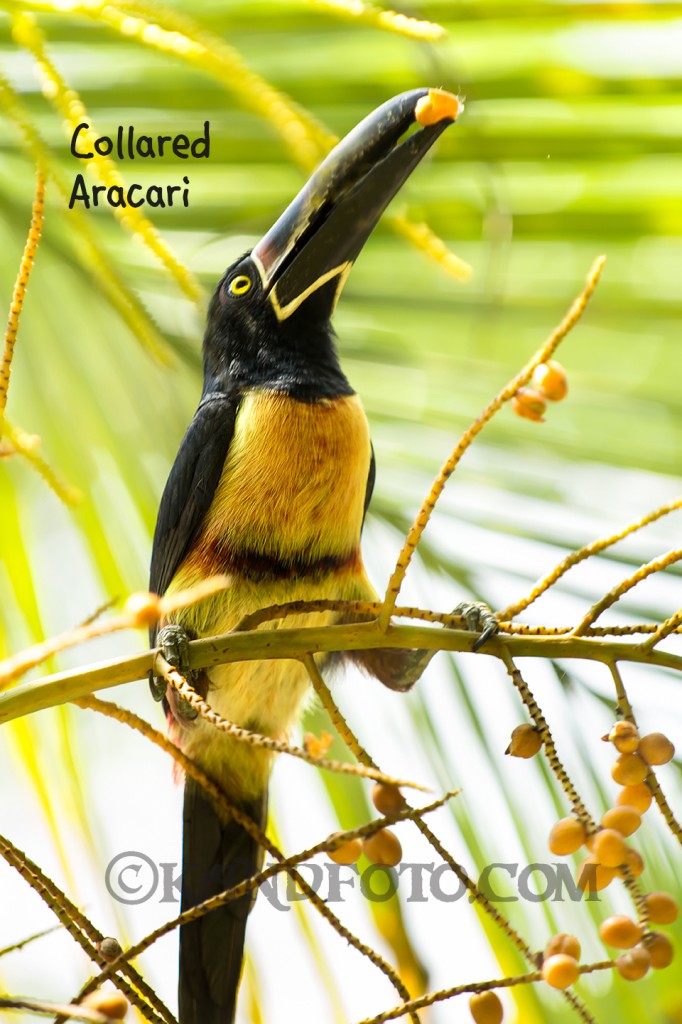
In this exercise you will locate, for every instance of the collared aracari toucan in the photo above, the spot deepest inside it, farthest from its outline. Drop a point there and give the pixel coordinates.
(270, 487)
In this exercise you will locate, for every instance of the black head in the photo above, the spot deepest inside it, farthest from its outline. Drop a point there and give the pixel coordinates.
(269, 321)
(247, 345)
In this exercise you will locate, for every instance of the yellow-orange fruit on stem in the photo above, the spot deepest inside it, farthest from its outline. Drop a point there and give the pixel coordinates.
(638, 796)
(525, 741)
(624, 737)
(486, 1008)
(111, 1004)
(560, 970)
(620, 931)
(623, 819)
(316, 746)
(348, 853)
(388, 799)
(633, 862)
(629, 770)
(660, 949)
(567, 836)
(592, 877)
(144, 609)
(563, 943)
(661, 907)
(383, 848)
(609, 848)
(550, 380)
(656, 748)
(634, 965)
(529, 404)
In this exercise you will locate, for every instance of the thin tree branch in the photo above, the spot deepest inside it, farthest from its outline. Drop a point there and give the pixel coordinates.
(296, 643)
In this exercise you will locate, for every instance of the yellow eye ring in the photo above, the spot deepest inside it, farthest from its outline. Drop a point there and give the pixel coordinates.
(240, 285)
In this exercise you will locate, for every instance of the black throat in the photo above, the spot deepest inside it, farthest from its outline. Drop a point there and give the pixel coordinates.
(296, 356)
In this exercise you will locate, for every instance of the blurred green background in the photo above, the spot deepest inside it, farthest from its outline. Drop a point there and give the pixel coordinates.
(569, 146)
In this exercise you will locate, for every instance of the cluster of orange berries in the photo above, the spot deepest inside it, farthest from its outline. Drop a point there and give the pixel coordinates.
(609, 856)
(382, 847)
(635, 754)
(561, 958)
(548, 383)
(560, 968)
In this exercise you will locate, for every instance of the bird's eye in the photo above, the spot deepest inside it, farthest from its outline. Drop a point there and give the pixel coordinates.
(239, 285)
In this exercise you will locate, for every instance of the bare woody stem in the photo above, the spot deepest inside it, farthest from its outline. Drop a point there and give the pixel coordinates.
(670, 625)
(617, 592)
(70, 1012)
(338, 721)
(190, 768)
(544, 352)
(85, 933)
(286, 865)
(585, 552)
(481, 986)
(62, 687)
(19, 293)
(476, 894)
(189, 694)
(540, 722)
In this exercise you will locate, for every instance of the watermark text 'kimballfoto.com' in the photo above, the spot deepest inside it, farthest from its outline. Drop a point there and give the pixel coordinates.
(133, 877)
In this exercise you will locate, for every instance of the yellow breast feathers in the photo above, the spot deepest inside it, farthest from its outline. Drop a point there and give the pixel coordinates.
(294, 480)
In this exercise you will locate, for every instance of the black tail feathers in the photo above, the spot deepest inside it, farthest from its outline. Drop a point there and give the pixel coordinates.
(216, 856)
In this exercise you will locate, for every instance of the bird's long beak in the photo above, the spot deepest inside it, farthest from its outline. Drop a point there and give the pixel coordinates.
(321, 233)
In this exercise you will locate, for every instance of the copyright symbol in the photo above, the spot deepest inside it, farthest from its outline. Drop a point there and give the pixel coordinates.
(131, 877)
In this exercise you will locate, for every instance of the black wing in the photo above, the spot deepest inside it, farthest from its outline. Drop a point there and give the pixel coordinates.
(191, 485)
(370, 482)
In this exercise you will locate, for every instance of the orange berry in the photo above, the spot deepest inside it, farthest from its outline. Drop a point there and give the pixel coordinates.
(592, 877)
(388, 800)
(661, 907)
(660, 949)
(634, 965)
(144, 609)
(620, 931)
(638, 796)
(624, 737)
(347, 853)
(525, 741)
(563, 943)
(560, 970)
(567, 836)
(383, 848)
(656, 748)
(609, 848)
(486, 1008)
(317, 747)
(436, 106)
(629, 770)
(591, 840)
(625, 820)
(633, 862)
(529, 404)
(111, 1004)
(550, 380)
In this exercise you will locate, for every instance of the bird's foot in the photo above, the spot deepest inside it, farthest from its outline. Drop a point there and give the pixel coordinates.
(478, 618)
(173, 642)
